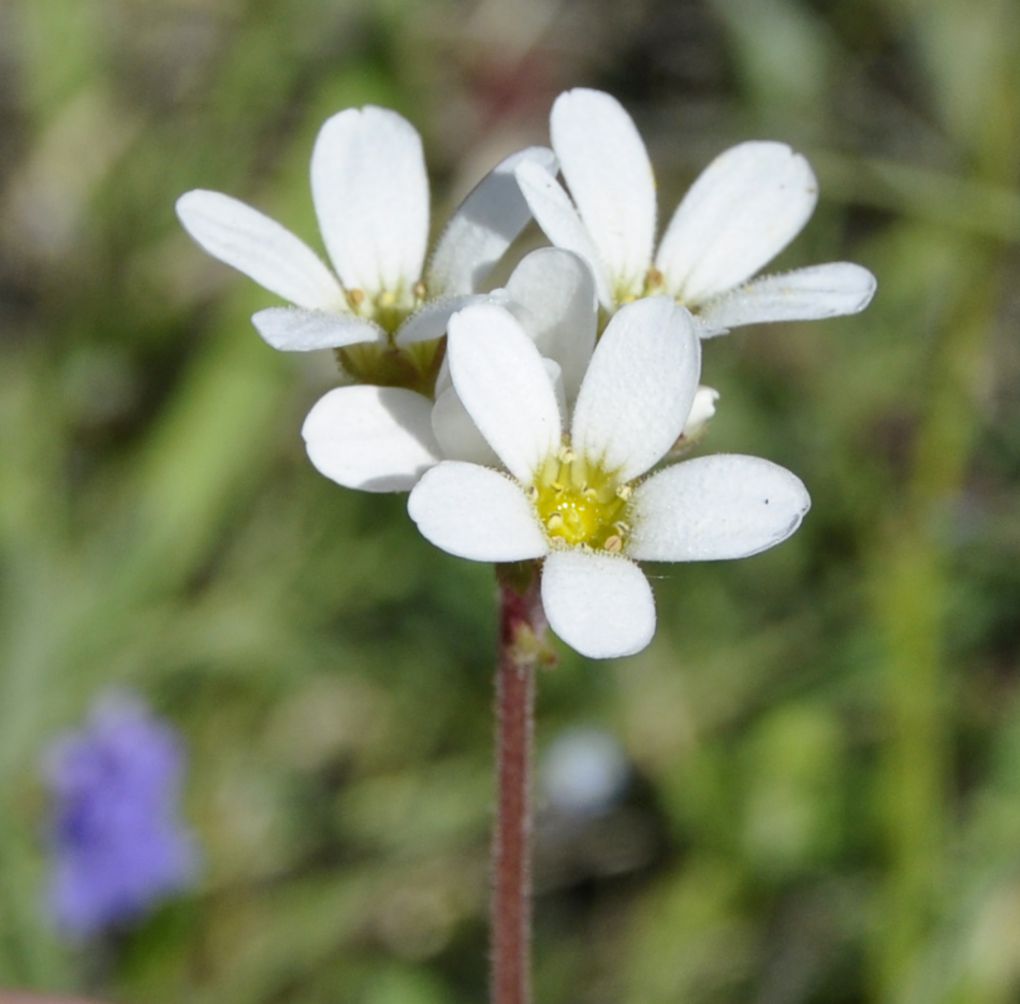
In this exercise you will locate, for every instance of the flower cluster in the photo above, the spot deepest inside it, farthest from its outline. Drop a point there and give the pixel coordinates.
(118, 845)
(528, 422)
(574, 493)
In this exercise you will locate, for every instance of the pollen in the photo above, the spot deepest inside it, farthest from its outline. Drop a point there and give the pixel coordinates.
(388, 308)
(580, 504)
(655, 281)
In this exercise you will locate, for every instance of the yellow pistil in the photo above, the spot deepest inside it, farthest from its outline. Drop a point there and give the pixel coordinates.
(580, 504)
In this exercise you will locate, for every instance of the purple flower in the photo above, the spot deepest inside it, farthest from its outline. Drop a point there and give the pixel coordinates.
(118, 844)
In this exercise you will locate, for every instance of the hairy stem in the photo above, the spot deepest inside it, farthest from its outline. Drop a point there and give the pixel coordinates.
(521, 649)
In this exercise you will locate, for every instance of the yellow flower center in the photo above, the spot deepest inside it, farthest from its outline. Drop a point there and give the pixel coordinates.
(390, 308)
(388, 364)
(580, 503)
(652, 284)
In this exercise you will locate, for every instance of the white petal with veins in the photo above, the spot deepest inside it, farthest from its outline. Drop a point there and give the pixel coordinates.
(503, 383)
(431, 321)
(294, 330)
(639, 387)
(476, 513)
(371, 195)
(599, 604)
(806, 294)
(457, 434)
(484, 225)
(606, 167)
(712, 508)
(377, 439)
(259, 247)
(552, 293)
(559, 220)
(746, 206)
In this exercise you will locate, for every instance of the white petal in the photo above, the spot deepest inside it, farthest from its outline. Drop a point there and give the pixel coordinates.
(806, 294)
(378, 439)
(710, 508)
(485, 224)
(293, 330)
(477, 513)
(552, 294)
(260, 248)
(556, 215)
(606, 168)
(457, 434)
(443, 381)
(599, 604)
(431, 321)
(554, 373)
(639, 387)
(371, 195)
(746, 206)
(503, 383)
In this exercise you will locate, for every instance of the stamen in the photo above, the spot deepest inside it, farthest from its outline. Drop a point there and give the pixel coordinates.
(580, 503)
(654, 281)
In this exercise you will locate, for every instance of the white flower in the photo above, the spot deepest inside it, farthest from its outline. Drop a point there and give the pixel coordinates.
(383, 439)
(371, 197)
(582, 502)
(739, 214)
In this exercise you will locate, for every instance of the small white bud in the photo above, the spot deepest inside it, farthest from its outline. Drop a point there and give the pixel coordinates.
(702, 411)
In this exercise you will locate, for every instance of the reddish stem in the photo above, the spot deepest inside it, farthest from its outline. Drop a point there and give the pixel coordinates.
(522, 629)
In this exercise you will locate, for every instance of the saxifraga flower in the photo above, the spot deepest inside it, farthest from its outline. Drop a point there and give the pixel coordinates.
(383, 309)
(118, 844)
(573, 487)
(383, 439)
(746, 206)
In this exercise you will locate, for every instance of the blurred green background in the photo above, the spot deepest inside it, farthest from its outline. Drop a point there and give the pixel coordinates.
(823, 741)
